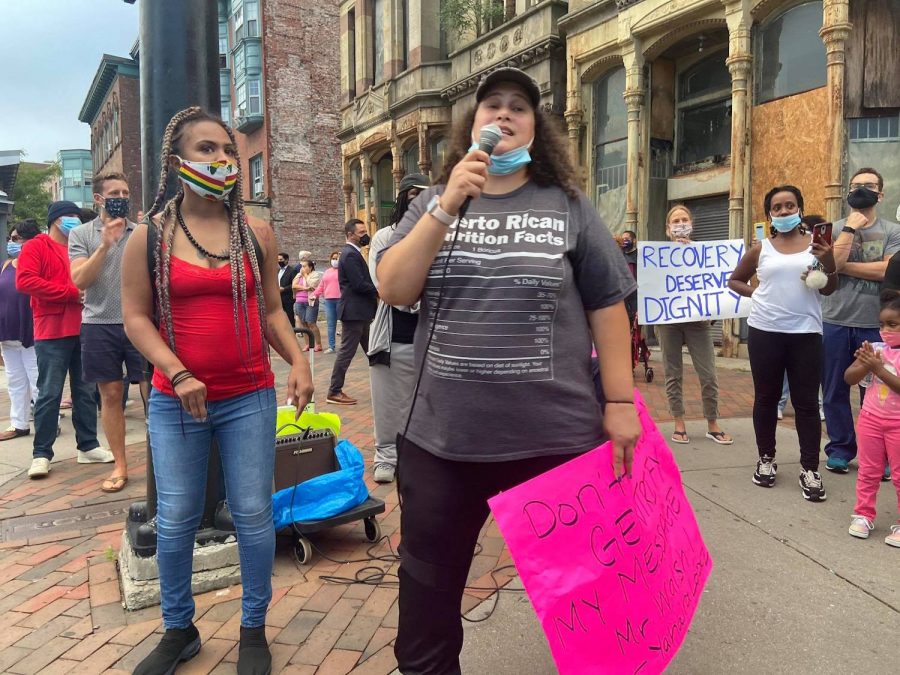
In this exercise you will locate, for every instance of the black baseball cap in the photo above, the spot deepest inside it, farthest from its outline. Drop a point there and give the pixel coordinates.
(509, 74)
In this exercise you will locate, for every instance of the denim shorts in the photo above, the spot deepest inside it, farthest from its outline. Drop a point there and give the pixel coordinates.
(306, 312)
(105, 349)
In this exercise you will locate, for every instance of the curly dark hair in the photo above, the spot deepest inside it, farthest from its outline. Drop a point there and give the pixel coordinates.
(550, 161)
(890, 299)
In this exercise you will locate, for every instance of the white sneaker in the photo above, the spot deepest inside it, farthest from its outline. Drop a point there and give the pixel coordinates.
(893, 539)
(384, 473)
(40, 468)
(821, 415)
(96, 456)
(780, 414)
(329, 351)
(860, 526)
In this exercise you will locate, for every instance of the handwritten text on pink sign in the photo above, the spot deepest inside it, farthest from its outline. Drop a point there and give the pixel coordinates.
(614, 568)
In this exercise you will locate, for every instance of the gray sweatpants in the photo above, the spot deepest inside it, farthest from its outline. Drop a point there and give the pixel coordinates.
(392, 389)
(697, 335)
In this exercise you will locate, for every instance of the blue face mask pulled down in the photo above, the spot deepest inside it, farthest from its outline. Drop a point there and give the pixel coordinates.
(68, 223)
(13, 249)
(508, 162)
(785, 223)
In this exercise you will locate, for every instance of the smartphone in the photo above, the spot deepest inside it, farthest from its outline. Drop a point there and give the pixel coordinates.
(822, 233)
(760, 229)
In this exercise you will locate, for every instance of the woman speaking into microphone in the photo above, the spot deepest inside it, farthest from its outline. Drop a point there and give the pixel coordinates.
(513, 295)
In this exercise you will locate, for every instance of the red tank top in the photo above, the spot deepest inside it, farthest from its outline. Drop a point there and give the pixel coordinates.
(229, 363)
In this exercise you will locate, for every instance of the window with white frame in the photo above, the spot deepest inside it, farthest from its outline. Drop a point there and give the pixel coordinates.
(256, 174)
(254, 98)
(610, 131)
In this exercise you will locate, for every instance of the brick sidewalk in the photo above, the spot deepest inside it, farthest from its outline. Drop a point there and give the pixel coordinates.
(60, 607)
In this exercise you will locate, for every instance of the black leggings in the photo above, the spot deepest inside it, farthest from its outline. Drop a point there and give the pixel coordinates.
(800, 355)
(444, 508)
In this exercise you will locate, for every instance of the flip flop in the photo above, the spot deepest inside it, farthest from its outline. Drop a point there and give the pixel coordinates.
(114, 484)
(680, 437)
(719, 437)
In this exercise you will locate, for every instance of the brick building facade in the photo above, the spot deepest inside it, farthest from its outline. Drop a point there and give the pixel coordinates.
(280, 77)
(112, 108)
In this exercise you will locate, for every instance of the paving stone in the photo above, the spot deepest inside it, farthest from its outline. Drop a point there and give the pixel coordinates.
(51, 611)
(39, 658)
(316, 647)
(339, 662)
(47, 632)
(281, 614)
(135, 633)
(380, 663)
(381, 638)
(358, 634)
(325, 598)
(11, 655)
(340, 616)
(80, 609)
(84, 648)
(102, 659)
(379, 603)
(209, 656)
(299, 628)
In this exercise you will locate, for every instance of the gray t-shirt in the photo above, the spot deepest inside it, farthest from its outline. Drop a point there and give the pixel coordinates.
(102, 300)
(508, 374)
(855, 302)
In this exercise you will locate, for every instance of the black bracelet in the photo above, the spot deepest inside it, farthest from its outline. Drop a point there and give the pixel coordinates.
(622, 402)
(180, 377)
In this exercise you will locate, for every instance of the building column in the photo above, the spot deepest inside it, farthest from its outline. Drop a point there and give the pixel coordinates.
(634, 101)
(574, 114)
(835, 31)
(739, 62)
(347, 189)
(424, 150)
(397, 169)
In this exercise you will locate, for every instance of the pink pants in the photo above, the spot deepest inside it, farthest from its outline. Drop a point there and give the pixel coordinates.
(878, 443)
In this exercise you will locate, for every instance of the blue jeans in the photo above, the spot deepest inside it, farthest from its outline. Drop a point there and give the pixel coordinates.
(244, 427)
(55, 359)
(331, 317)
(839, 343)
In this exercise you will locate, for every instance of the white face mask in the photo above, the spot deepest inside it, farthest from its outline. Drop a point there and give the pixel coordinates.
(334, 263)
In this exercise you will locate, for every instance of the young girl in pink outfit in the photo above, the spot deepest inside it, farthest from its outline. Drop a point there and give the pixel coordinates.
(878, 426)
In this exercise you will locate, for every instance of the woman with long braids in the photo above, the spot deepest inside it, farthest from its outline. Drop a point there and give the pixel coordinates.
(212, 267)
(512, 297)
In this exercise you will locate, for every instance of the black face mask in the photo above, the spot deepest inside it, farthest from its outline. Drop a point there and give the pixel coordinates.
(364, 240)
(282, 264)
(862, 198)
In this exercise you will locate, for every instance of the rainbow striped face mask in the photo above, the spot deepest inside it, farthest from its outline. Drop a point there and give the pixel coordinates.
(210, 180)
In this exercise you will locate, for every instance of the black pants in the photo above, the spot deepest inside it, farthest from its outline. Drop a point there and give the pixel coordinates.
(800, 355)
(444, 508)
(287, 304)
(353, 334)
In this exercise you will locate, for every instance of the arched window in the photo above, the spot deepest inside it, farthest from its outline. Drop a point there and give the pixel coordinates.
(438, 154)
(411, 159)
(356, 180)
(791, 53)
(609, 132)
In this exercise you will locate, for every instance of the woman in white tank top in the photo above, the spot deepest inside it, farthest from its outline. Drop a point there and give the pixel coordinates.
(786, 331)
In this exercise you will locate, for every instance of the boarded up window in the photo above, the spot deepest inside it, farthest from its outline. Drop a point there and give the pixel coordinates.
(873, 68)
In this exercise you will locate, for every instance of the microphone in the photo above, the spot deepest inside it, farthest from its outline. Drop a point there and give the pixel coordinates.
(489, 136)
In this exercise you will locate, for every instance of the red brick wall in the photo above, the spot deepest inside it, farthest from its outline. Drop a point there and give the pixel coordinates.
(126, 157)
(302, 98)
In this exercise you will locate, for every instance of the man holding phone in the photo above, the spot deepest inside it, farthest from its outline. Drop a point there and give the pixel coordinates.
(863, 245)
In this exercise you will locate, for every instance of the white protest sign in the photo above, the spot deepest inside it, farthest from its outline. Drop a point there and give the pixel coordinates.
(688, 282)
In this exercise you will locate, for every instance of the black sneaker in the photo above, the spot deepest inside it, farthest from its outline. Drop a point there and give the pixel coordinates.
(177, 645)
(812, 486)
(766, 468)
(254, 657)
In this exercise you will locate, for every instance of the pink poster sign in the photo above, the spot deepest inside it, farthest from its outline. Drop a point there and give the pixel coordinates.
(613, 568)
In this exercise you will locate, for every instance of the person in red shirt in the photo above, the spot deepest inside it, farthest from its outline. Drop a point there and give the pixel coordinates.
(215, 279)
(43, 273)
